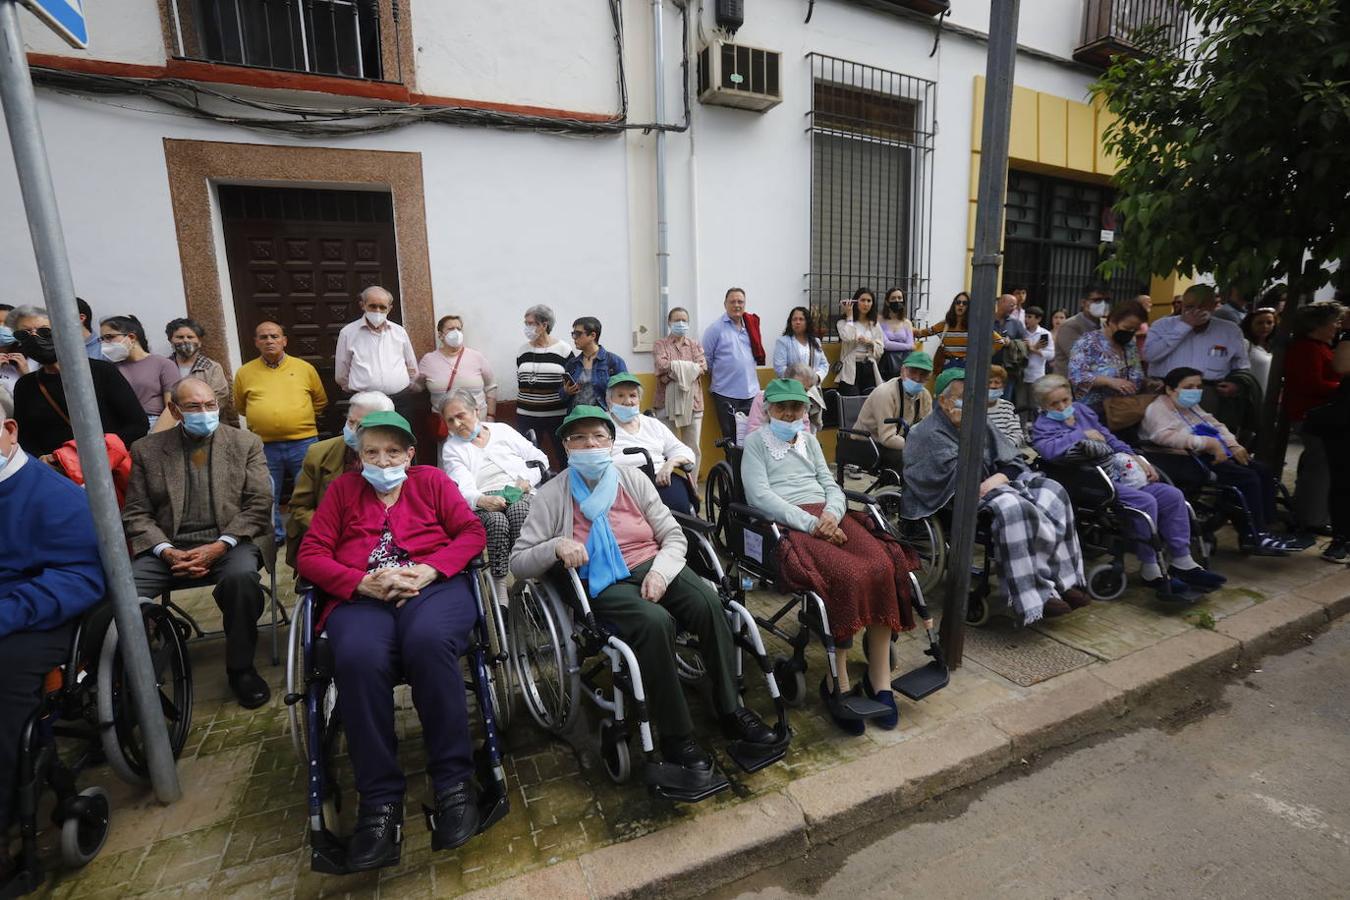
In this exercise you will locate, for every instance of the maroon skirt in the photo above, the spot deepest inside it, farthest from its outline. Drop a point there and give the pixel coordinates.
(864, 582)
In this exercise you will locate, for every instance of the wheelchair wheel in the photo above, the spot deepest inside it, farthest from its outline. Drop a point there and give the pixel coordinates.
(791, 682)
(923, 536)
(544, 656)
(1202, 546)
(688, 661)
(891, 659)
(978, 610)
(119, 730)
(717, 499)
(295, 684)
(502, 673)
(84, 833)
(1106, 581)
(614, 752)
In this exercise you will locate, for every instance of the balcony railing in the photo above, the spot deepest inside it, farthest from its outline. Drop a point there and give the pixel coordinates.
(322, 37)
(1111, 27)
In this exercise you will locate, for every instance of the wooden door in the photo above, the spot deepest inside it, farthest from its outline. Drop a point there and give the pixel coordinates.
(301, 258)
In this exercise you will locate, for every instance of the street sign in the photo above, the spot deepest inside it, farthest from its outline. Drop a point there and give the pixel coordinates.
(65, 17)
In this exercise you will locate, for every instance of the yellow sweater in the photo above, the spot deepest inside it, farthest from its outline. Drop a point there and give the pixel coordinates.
(280, 404)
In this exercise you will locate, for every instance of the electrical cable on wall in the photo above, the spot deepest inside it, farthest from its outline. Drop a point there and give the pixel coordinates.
(323, 122)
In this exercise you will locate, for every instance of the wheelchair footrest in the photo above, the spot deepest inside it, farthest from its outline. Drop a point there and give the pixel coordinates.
(1180, 598)
(856, 706)
(753, 757)
(327, 854)
(922, 681)
(683, 785)
(493, 805)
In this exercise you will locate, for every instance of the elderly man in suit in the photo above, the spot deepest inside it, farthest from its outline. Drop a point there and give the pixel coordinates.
(199, 501)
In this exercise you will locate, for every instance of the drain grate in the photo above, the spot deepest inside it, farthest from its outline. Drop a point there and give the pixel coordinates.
(1024, 657)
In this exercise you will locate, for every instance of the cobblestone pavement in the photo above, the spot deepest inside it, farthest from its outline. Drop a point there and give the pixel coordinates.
(240, 829)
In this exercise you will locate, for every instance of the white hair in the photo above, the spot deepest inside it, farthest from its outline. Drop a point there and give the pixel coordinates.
(463, 397)
(372, 289)
(372, 401)
(801, 372)
(6, 406)
(1046, 385)
(26, 312)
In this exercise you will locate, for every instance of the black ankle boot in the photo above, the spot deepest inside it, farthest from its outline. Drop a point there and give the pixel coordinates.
(456, 817)
(378, 837)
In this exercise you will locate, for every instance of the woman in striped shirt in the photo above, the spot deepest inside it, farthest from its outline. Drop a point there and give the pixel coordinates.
(951, 333)
(540, 368)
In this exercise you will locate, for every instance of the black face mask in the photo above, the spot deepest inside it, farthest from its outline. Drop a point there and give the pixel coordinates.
(896, 308)
(39, 347)
(1123, 338)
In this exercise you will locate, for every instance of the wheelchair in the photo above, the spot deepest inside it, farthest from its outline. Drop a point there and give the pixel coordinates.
(316, 726)
(87, 700)
(859, 450)
(554, 631)
(752, 541)
(1102, 520)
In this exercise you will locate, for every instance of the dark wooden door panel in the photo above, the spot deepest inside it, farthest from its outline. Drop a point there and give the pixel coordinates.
(302, 258)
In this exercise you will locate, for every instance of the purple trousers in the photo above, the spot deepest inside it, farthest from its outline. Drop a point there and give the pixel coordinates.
(1166, 506)
(375, 646)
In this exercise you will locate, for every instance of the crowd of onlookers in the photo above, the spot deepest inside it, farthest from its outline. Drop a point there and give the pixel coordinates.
(202, 461)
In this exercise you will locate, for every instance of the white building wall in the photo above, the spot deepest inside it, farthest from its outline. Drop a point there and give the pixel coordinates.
(515, 218)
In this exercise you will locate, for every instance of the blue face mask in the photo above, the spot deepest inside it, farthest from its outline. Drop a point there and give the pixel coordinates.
(958, 404)
(679, 329)
(1188, 397)
(911, 386)
(6, 335)
(785, 431)
(1060, 415)
(201, 424)
(624, 413)
(349, 436)
(473, 435)
(4, 460)
(384, 480)
(591, 463)
(995, 394)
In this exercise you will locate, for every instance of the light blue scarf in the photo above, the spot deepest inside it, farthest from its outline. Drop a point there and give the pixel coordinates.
(606, 564)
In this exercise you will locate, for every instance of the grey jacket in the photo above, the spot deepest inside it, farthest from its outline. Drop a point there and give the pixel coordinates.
(550, 520)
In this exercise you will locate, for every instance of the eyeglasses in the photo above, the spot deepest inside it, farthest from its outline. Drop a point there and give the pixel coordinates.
(43, 333)
(109, 338)
(588, 440)
(208, 406)
(579, 333)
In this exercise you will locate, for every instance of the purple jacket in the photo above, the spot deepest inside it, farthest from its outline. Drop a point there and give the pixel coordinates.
(1053, 439)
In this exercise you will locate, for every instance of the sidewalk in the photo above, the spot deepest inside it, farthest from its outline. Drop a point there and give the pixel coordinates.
(240, 830)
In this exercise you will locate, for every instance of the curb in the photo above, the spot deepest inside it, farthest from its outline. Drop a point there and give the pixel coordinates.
(693, 857)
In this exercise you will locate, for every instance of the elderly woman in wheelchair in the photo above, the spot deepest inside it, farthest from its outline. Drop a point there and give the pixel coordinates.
(606, 524)
(1032, 531)
(669, 457)
(1070, 433)
(386, 553)
(787, 480)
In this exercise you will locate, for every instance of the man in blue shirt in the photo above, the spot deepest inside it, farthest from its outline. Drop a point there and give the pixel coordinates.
(731, 363)
(49, 575)
(93, 344)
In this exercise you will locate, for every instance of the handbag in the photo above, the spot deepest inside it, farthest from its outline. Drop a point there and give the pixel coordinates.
(1126, 411)
(439, 430)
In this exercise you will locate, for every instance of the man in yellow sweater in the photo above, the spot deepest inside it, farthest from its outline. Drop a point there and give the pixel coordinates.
(281, 398)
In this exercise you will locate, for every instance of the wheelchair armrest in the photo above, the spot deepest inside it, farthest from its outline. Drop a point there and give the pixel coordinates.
(694, 523)
(860, 497)
(725, 442)
(647, 457)
(752, 515)
(899, 423)
(544, 473)
(855, 433)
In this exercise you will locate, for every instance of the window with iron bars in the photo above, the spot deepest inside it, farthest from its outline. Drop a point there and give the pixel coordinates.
(871, 187)
(322, 37)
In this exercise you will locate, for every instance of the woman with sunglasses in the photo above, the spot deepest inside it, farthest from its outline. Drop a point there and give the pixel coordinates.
(40, 405)
(952, 334)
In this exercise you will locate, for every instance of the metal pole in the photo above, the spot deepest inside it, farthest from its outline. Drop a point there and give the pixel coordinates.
(49, 246)
(998, 91)
(659, 117)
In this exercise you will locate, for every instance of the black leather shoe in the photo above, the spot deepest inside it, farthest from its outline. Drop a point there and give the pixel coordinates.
(744, 725)
(249, 687)
(685, 751)
(456, 817)
(378, 838)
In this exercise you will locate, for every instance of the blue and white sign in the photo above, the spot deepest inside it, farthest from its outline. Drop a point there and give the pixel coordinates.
(65, 17)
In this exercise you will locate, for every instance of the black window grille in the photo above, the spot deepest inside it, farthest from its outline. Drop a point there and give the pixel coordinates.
(1057, 233)
(871, 186)
(322, 37)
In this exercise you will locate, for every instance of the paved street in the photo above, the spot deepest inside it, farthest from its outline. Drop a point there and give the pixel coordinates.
(1252, 800)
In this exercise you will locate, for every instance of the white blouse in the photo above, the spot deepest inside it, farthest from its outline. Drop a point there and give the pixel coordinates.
(477, 470)
(652, 436)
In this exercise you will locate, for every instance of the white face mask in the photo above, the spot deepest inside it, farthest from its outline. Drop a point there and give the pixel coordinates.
(531, 332)
(1099, 309)
(376, 319)
(454, 338)
(115, 351)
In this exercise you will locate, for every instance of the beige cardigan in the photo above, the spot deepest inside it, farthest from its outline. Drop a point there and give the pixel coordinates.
(550, 520)
(853, 337)
(1169, 426)
(889, 401)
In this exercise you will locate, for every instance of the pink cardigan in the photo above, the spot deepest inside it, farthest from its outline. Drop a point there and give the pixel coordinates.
(430, 521)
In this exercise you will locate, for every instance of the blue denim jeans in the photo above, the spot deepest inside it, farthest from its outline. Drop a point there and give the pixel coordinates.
(284, 458)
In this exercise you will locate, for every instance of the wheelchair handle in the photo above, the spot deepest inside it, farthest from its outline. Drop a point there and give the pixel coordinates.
(582, 597)
(899, 423)
(544, 473)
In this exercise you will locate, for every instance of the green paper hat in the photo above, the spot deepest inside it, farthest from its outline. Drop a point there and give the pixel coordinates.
(947, 377)
(388, 419)
(585, 412)
(622, 378)
(919, 360)
(785, 390)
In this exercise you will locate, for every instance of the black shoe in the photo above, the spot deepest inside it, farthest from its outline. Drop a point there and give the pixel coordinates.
(456, 817)
(1337, 552)
(378, 838)
(744, 725)
(685, 752)
(249, 687)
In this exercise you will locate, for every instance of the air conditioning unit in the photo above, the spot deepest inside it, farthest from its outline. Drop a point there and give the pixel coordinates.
(740, 76)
